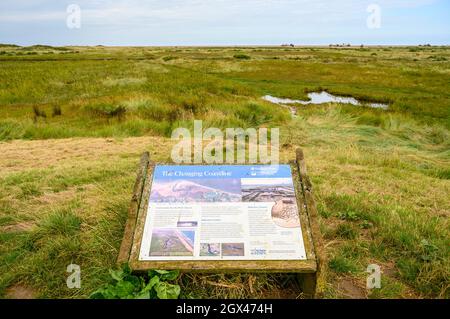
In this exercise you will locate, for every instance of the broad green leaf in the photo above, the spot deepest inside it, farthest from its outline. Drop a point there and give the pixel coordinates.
(143, 295)
(96, 295)
(165, 290)
(127, 286)
(151, 284)
(133, 279)
(107, 292)
(123, 289)
(164, 274)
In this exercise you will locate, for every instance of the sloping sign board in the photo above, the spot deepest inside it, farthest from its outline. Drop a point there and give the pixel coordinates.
(233, 212)
(219, 218)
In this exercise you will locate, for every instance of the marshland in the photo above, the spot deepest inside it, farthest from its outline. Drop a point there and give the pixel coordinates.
(74, 121)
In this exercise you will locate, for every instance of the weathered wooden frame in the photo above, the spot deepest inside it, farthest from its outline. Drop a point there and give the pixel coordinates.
(308, 269)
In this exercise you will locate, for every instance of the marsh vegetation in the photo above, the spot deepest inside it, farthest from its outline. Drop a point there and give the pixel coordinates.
(73, 122)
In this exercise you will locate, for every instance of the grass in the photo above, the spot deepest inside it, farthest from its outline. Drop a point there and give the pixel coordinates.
(381, 178)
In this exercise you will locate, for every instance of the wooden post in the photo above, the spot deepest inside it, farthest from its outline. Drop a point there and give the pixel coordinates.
(127, 242)
(310, 282)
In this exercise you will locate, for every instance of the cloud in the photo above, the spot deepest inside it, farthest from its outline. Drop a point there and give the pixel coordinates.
(123, 22)
(109, 11)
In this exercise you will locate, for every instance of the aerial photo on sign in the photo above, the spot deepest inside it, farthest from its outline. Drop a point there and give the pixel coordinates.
(196, 190)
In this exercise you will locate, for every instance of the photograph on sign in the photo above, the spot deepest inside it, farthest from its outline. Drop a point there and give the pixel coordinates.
(230, 212)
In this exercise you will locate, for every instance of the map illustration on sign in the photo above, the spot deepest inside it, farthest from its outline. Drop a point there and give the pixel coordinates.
(230, 212)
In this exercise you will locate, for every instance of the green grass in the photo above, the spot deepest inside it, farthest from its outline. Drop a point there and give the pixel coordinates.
(341, 265)
(381, 178)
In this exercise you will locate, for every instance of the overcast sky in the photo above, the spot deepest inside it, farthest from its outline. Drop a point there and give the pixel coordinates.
(224, 22)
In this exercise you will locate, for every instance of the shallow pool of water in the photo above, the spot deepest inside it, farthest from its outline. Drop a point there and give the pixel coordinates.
(321, 98)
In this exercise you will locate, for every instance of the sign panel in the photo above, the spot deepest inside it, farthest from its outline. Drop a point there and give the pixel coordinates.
(222, 212)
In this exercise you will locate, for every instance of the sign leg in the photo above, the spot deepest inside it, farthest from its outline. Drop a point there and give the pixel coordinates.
(308, 285)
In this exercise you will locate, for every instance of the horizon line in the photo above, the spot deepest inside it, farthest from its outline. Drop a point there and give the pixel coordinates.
(285, 45)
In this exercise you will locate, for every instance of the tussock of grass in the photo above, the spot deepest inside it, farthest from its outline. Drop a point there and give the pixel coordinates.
(242, 56)
(341, 265)
(63, 222)
(346, 231)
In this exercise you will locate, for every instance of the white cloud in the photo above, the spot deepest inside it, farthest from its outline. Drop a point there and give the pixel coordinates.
(137, 22)
(109, 11)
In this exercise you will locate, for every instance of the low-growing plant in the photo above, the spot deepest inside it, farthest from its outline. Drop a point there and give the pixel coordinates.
(125, 285)
(346, 231)
(348, 215)
(61, 222)
(242, 57)
(341, 265)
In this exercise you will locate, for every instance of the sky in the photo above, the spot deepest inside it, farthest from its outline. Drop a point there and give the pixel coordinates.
(224, 22)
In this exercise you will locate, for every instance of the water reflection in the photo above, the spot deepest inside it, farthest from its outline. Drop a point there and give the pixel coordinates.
(321, 98)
